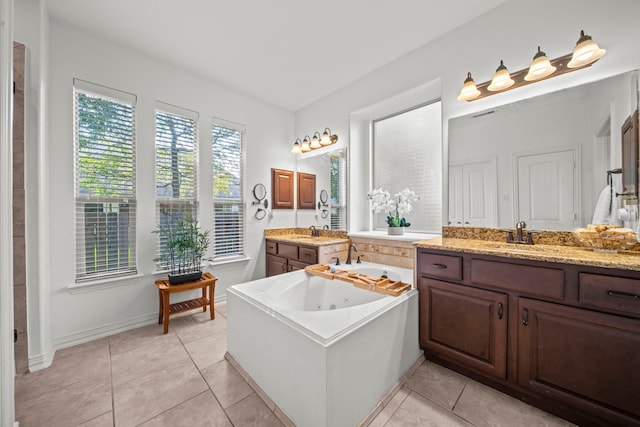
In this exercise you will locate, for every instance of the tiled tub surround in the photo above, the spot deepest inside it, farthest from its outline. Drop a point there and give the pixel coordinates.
(330, 366)
(397, 251)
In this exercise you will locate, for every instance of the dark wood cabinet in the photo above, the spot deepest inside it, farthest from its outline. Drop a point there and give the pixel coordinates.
(563, 337)
(306, 191)
(276, 265)
(465, 324)
(282, 189)
(285, 257)
(586, 359)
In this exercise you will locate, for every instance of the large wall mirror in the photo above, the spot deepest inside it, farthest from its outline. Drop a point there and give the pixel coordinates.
(330, 169)
(543, 160)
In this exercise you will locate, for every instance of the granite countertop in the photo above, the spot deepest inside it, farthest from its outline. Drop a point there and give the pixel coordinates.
(307, 239)
(625, 260)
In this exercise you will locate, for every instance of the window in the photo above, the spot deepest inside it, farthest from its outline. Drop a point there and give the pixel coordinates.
(105, 191)
(338, 168)
(407, 153)
(228, 197)
(176, 169)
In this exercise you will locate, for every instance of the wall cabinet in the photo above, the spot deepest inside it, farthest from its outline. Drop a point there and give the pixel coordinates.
(562, 337)
(282, 189)
(306, 191)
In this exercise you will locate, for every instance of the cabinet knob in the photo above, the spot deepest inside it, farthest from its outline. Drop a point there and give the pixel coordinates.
(500, 310)
(525, 317)
(439, 266)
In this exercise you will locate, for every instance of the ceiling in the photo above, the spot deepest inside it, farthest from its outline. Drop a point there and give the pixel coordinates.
(288, 53)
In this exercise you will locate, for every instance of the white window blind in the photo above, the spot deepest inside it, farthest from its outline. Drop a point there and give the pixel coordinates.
(338, 168)
(228, 197)
(176, 170)
(407, 153)
(105, 191)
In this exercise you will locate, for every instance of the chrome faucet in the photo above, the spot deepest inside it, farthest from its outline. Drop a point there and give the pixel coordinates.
(314, 232)
(520, 237)
(355, 248)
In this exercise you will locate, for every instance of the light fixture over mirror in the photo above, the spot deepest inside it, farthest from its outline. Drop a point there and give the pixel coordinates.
(585, 54)
(501, 79)
(315, 142)
(540, 67)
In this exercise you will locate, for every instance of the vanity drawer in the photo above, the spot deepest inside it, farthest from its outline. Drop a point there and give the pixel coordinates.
(308, 255)
(610, 293)
(272, 247)
(526, 279)
(443, 266)
(288, 251)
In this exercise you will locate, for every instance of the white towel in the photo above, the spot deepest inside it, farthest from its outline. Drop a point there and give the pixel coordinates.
(606, 211)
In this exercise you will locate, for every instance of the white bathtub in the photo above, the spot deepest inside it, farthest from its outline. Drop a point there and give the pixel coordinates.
(323, 350)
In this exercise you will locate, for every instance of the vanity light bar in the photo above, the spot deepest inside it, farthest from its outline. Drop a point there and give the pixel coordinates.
(586, 53)
(315, 142)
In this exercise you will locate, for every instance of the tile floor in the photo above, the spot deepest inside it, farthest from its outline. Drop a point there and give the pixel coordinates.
(144, 378)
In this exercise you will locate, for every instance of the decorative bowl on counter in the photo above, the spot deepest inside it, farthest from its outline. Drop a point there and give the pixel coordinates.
(606, 238)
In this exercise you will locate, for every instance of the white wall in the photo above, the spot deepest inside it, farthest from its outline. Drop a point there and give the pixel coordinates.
(76, 53)
(511, 32)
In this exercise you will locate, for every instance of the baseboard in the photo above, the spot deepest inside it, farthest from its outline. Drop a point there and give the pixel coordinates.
(104, 331)
(41, 361)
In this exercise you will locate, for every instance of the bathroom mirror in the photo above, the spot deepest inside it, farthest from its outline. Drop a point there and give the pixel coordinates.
(259, 192)
(330, 169)
(543, 160)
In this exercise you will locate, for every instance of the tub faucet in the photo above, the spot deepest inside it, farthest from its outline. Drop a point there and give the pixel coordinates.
(355, 248)
(314, 232)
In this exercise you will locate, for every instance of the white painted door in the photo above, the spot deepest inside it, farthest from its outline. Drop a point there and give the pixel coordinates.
(479, 189)
(546, 190)
(472, 194)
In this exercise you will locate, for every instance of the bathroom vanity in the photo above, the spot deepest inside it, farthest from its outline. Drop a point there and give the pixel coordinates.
(294, 248)
(556, 326)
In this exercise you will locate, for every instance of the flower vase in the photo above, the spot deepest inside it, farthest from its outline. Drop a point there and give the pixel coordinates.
(395, 231)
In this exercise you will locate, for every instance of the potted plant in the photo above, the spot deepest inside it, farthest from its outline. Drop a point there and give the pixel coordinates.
(381, 201)
(184, 246)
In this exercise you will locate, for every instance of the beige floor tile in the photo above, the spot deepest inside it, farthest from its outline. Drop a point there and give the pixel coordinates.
(391, 407)
(226, 383)
(252, 412)
(484, 406)
(145, 397)
(104, 420)
(418, 411)
(200, 411)
(195, 330)
(141, 360)
(208, 351)
(139, 337)
(70, 365)
(221, 308)
(71, 405)
(438, 384)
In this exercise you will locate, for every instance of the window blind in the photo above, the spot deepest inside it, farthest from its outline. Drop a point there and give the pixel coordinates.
(176, 170)
(407, 153)
(338, 168)
(228, 183)
(105, 192)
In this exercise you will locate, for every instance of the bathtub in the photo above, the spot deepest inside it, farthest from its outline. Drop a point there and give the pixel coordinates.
(323, 350)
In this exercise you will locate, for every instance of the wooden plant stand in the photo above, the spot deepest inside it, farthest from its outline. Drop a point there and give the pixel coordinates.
(166, 309)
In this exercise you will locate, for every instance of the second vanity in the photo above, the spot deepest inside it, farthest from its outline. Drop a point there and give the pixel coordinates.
(556, 326)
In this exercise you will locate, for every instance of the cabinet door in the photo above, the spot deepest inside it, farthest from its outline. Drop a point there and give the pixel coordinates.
(281, 189)
(306, 191)
(465, 325)
(587, 359)
(276, 265)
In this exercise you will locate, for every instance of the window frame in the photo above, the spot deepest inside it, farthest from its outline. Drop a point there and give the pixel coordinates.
(193, 202)
(240, 202)
(82, 201)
